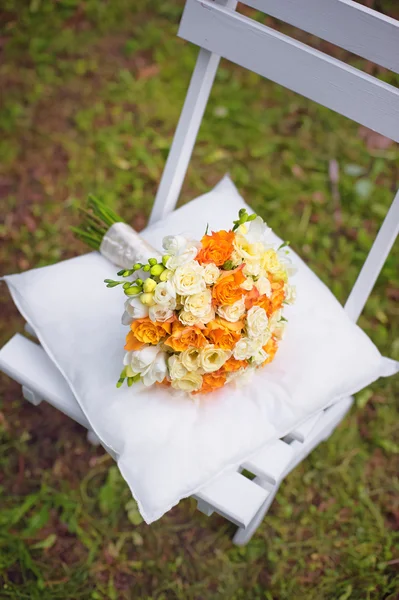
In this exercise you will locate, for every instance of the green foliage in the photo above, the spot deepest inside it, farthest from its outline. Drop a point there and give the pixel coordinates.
(93, 91)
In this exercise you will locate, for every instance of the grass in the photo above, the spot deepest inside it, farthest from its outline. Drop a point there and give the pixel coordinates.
(93, 90)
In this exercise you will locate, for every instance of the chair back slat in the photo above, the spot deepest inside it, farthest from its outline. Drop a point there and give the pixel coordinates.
(315, 75)
(346, 24)
(374, 262)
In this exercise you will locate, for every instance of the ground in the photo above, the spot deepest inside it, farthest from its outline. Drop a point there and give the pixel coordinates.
(91, 93)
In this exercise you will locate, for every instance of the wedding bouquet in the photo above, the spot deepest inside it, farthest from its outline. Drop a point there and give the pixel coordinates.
(203, 314)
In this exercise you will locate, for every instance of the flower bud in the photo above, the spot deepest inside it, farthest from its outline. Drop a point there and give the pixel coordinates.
(147, 299)
(133, 290)
(146, 268)
(165, 275)
(152, 261)
(165, 259)
(137, 266)
(156, 270)
(149, 285)
(138, 282)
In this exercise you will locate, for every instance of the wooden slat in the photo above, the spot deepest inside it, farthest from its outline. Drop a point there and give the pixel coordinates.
(28, 363)
(234, 497)
(347, 24)
(290, 63)
(271, 462)
(303, 431)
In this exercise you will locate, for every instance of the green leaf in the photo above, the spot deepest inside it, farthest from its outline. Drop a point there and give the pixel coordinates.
(133, 512)
(46, 543)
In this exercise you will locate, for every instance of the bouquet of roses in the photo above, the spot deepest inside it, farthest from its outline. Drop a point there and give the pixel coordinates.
(205, 313)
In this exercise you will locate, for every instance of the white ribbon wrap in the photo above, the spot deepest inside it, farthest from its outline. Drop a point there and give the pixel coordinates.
(124, 247)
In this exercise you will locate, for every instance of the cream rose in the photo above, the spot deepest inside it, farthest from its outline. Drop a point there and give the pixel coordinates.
(199, 304)
(211, 273)
(188, 319)
(245, 348)
(191, 382)
(211, 358)
(176, 368)
(246, 250)
(234, 312)
(165, 295)
(190, 358)
(264, 286)
(270, 261)
(257, 321)
(290, 293)
(252, 268)
(160, 313)
(189, 279)
(248, 284)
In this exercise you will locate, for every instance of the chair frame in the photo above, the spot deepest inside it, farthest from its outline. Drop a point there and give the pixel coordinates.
(214, 26)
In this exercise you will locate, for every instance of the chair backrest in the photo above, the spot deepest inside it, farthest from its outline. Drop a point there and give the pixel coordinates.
(220, 30)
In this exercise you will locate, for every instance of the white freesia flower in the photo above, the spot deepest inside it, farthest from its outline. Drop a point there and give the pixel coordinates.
(134, 309)
(199, 304)
(248, 251)
(191, 359)
(211, 358)
(285, 260)
(259, 357)
(264, 286)
(165, 294)
(149, 362)
(290, 293)
(257, 321)
(180, 249)
(211, 273)
(191, 382)
(189, 279)
(258, 231)
(176, 368)
(174, 244)
(234, 312)
(160, 312)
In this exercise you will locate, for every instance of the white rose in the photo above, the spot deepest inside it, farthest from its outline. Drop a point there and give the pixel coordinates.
(188, 279)
(234, 312)
(245, 348)
(211, 358)
(134, 309)
(160, 313)
(264, 286)
(165, 294)
(211, 273)
(149, 362)
(190, 358)
(199, 304)
(191, 382)
(257, 321)
(176, 368)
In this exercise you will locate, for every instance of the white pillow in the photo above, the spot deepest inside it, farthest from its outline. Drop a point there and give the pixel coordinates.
(169, 447)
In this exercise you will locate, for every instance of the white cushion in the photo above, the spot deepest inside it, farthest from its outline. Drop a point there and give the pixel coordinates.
(169, 447)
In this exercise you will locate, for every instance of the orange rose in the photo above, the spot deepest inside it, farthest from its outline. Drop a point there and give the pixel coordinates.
(227, 288)
(234, 365)
(216, 248)
(145, 331)
(185, 337)
(270, 349)
(223, 334)
(212, 381)
(251, 298)
(278, 296)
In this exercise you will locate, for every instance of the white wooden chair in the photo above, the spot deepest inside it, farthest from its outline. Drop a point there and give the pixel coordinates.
(219, 30)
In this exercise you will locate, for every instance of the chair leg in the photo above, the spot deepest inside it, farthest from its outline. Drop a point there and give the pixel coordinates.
(31, 396)
(244, 534)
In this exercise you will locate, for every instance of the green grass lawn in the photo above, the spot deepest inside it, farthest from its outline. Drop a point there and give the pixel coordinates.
(91, 93)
